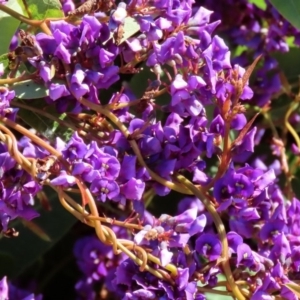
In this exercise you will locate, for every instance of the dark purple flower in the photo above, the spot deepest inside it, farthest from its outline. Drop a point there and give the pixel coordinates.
(9, 291)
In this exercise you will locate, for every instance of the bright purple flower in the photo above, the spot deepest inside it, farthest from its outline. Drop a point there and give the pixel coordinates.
(209, 246)
(186, 217)
(105, 57)
(234, 240)
(128, 167)
(77, 87)
(64, 180)
(133, 189)
(45, 71)
(57, 91)
(281, 249)
(241, 227)
(105, 165)
(165, 256)
(261, 295)
(286, 293)
(233, 185)
(245, 256)
(5, 98)
(217, 125)
(6, 163)
(182, 279)
(75, 149)
(198, 225)
(271, 230)
(104, 189)
(4, 288)
(68, 6)
(83, 169)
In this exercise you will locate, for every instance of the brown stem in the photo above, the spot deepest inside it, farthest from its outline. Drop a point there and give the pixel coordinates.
(222, 234)
(21, 18)
(113, 118)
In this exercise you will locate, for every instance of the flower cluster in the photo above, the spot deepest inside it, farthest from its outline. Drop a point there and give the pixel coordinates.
(236, 220)
(257, 31)
(97, 263)
(18, 189)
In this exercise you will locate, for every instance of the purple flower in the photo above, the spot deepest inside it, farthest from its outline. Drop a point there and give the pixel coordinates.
(234, 240)
(281, 249)
(57, 91)
(118, 16)
(92, 257)
(9, 291)
(198, 225)
(209, 246)
(68, 6)
(272, 229)
(64, 180)
(104, 164)
(77, 87)
(75, 149)
(104, 189)
(165, 256)
(4, 288)
(245, 256)
(133, 189)
(5, 98)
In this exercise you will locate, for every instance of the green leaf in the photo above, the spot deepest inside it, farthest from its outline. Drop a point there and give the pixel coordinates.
(4, 60)
(291, 41)
(131, 27)
(46, 126)
(289, 9)
(259, 3)
(289, 63)
(8, 25)
(29, 90)
(42, 9)
(139, 84)
(296, 186)
(213, 296)
(28, 247)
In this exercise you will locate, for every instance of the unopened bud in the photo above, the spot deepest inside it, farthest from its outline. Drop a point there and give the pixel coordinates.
(157, 69)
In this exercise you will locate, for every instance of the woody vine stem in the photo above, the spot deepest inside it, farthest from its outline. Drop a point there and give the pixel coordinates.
(192, 132)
